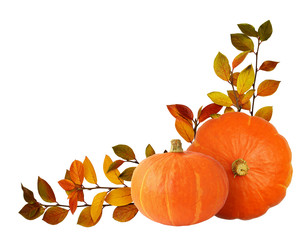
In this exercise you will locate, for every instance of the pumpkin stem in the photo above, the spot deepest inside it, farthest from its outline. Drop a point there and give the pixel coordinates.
(176, 146)
(239, 167)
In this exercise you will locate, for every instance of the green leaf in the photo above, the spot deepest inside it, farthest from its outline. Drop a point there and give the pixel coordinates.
(127, 174)
(149, 151)
(124, 151)
(220, 99)
(221, 67)
(248, 29)
(245, 80)
(242, 42)
(45, 191)
(28, 195)
(265, 31)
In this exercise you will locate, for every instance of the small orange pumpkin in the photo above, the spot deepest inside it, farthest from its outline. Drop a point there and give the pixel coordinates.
(179, 188)
(256, 158)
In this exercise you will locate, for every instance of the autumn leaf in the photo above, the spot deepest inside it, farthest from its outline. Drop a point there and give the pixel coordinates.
(113, 175)
(248, 29)
(220, 99)
(207, 111)
(235, 78)
(242, 42)
(268, 65)
(149, 151)
(89, 171)
(80, 196)
(215, 115)
(97, 206)
(125, 213)
(114, 165)
(232, 94)
(85, 218)
(66, 184)
(28, 195)
(185, 129)
(32, 211)
(246, 97)
(73, 199)
(245, 80)
(124, 151)
(77, 172)
(228, 109)
(127, 174)
(179, 110)
(265, 112)
(265, 31)
(239, 59)
(267, 88)
(55, 215)
(119, 196)
(247, 106)
(45, 191)
(221, 67)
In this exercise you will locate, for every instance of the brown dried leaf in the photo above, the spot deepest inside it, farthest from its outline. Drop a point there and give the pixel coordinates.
(119, 196)
(124, 151)
(89, 171)
(208, 110)
(220, 99)
(125, 213)
(45, 191)
(221, 67)
(268, 66)
(77, 172)
(55, 215)
(265, 112)
(127, 174)
(185, 129)
(32, 211)
(28, 195)
(267, 88)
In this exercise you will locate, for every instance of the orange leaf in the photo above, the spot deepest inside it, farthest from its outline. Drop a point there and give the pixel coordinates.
(245, 80)
(232, 94)
(179, 110)
(66, 184)
(125, 213)
(116, 164)
(55, 215)
(235, 78)
(97, 206)
(247, 105)
(246, 97)
(85, 218)
(208, 110)
(73, 199)
(113, 175)
(267, 88)
(185, 129)
(268, 65)
(221, 67)
(45, 191)
(265, 112)
(119, 196)
(239, 59)
(89, 171)
(228, 109)
(77, 172)
(220, 99)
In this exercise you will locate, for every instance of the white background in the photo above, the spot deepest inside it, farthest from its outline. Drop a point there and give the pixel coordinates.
(78, 77)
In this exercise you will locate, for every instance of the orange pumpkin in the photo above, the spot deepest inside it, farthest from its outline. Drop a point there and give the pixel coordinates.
(256, 158)
(179, 188)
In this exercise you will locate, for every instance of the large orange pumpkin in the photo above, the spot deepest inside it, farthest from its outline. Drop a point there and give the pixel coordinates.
(256, 158)
(179, 188)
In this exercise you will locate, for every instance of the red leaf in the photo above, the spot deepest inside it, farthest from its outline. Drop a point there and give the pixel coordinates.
(77, 172)
(208, 110)
(178, 110)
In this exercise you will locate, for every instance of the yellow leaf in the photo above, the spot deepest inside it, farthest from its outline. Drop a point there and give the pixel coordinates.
(265, 112)
(247, 96)
(113, 175)
(228, 109)
(125, 213)
(89, 172)
(119, 196)
(245, 80)
(97, 206)
(221, 67)
(215, 115)
(85, 218)
(185, 129)
(220, 99)
(267, 88)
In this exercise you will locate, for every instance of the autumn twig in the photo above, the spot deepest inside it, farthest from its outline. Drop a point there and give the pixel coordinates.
(255, 76)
